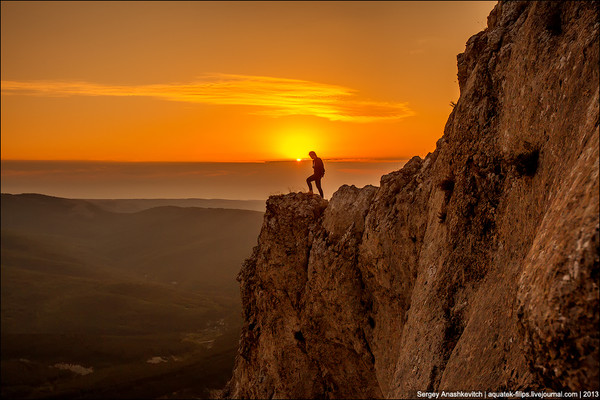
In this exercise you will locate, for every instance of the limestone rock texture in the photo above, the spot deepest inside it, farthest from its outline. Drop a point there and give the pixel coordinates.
(475, 268)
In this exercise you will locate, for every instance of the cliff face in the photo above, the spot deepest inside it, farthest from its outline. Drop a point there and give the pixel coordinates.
(475, 268)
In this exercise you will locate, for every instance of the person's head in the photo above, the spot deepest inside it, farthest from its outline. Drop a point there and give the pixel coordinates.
(312, 155)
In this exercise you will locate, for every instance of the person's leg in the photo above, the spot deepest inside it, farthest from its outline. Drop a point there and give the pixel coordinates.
(318, 184)
(308, 180)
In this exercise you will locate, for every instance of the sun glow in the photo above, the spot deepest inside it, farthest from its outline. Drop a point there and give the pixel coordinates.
(273, 96)
(296, 145)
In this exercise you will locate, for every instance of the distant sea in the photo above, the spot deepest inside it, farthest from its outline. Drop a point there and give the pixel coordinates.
(152, 180)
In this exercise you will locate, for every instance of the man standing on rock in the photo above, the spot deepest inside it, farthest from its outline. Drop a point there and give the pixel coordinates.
(319, 171)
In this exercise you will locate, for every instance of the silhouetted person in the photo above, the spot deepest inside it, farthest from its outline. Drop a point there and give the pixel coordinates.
(319, 171)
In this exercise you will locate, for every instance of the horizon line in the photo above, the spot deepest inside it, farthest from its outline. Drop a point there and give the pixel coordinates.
(333, 159)
(128, 198)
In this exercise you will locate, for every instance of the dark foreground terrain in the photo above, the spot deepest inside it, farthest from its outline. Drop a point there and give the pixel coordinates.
(100, 304)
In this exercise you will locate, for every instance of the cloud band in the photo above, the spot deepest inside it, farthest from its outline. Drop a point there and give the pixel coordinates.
(275, 96)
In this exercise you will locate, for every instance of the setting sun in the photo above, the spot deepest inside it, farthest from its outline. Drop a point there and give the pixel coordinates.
(297, 144)
(268, 91)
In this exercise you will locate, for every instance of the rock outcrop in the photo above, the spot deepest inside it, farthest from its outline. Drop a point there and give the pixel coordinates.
(475, 268)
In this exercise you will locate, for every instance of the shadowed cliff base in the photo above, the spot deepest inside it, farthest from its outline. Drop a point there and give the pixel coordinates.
(475, 268)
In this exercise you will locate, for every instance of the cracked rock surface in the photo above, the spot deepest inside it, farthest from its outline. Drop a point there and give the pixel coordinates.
(475, 268)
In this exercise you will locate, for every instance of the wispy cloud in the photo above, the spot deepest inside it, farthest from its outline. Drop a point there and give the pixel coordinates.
(275, 96)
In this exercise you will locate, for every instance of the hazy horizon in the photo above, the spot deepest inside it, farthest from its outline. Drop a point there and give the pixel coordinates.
(207, 180)
(367, 87)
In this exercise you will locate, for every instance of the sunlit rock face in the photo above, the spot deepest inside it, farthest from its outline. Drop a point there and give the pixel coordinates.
(475, 268)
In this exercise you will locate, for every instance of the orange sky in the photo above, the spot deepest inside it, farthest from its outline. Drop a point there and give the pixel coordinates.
(229, 81)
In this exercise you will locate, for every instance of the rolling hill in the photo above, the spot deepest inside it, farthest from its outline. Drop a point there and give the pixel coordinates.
(134, 205)
(110, 291)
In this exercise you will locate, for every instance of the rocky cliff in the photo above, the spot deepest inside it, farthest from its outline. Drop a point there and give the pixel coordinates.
(475, 268)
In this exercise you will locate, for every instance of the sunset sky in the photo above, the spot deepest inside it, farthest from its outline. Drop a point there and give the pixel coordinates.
(229, 81)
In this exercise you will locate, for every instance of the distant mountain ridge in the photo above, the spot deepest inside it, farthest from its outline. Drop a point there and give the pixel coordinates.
(168, 243)
(134, 205)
